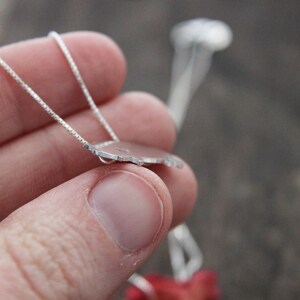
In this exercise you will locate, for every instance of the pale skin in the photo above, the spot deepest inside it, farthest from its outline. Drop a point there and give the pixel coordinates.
(52, 244)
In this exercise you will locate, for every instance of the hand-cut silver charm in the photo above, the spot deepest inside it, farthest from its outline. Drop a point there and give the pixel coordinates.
(135, 153)
(109, 151)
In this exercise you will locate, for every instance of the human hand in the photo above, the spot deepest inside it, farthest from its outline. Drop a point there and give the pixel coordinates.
(69, 231)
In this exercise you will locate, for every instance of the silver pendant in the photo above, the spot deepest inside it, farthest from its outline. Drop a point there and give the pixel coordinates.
(135, 153)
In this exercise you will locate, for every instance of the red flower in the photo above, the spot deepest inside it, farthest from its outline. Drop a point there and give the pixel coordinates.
(203, 286)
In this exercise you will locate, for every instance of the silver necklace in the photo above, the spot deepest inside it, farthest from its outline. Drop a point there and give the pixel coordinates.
(110, 151)
(194, 41)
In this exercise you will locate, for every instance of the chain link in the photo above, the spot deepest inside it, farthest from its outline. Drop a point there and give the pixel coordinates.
(42, 103)
(82, 84)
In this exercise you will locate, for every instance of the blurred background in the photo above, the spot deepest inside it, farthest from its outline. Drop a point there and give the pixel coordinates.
(241, 135)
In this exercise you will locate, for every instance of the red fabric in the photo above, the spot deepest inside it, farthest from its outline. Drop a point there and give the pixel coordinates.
(203, 286)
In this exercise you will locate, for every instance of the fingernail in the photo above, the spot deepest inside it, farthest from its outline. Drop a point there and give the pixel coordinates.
(129, 209)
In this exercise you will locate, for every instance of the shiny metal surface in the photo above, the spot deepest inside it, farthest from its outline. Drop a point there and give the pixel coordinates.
(135, 153)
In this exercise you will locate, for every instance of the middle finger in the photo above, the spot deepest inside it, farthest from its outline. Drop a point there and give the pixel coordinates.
(48, 157)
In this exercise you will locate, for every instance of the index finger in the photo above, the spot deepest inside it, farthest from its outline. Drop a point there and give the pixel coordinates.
(42, 66)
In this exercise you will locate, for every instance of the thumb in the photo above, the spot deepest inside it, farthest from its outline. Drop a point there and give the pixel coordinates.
(83, 239)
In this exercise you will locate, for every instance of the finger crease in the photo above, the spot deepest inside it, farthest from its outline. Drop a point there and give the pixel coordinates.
(18, 264)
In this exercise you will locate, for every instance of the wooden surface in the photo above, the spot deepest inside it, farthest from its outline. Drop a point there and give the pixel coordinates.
(242, 133)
